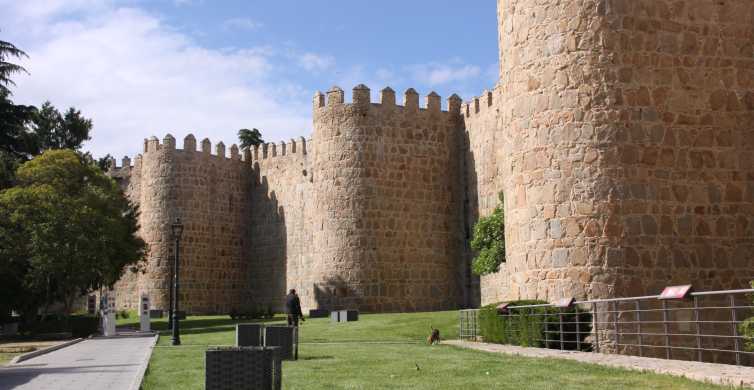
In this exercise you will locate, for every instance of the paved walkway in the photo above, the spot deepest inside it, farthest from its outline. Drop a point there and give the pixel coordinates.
(708, 372)
(99, 363)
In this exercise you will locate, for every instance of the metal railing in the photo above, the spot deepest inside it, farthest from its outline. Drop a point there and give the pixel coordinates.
(703, 326)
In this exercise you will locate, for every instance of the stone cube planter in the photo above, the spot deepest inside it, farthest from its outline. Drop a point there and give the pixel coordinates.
(249, 335)
(237, 368)
(349, 315)
(285, 337)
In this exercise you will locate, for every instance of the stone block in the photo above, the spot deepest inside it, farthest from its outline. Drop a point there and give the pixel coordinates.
(249, 335)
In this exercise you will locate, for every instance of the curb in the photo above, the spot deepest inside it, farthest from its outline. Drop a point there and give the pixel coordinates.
(136, 384)
(33, 354)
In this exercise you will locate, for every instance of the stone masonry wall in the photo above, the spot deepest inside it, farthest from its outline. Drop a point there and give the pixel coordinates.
(627, 145)
(208, 192)
(387, 228)
(482, 123)
(280, 228)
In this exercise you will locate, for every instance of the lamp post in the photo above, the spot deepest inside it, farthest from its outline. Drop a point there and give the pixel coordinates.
(170, 304)
(177, 228)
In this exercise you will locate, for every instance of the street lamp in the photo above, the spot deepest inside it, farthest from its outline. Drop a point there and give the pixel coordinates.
(177, 228)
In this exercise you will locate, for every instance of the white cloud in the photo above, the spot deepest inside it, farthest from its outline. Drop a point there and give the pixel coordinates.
(137, 77)
(242, 24)
(315, 63)
(434, 74)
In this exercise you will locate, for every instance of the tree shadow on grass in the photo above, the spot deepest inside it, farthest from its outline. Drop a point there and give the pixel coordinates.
(213, 322)
(324, 357)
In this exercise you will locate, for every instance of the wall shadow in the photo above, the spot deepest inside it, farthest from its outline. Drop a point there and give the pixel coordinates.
(469, 281)
(335, 294)
(265, 246)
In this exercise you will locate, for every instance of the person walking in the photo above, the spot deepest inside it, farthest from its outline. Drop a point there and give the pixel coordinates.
(293, 308)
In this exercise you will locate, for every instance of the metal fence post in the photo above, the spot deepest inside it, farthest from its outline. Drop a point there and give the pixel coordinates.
(595, 327)
(560, 320)
(615, 326)
(547, 331)
(736, 341)
(578, 328)
(697, 317)
(665, 327)
(638, 325)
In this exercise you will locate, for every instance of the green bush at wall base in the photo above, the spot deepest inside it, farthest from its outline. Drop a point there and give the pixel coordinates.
(746, 329)
(526, 326)
(83, 325)
(77, 325)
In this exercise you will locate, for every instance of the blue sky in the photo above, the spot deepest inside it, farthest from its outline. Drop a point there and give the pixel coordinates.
(141, 68)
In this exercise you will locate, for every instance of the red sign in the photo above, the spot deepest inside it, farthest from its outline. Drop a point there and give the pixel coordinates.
(502, 308)
(675, 292)
(565, 302)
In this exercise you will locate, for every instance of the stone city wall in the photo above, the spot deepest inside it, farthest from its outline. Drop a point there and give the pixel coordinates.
(483, 183)
(280, 228)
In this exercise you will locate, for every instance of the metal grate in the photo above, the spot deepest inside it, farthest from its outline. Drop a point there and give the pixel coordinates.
(236, 368)
(468, 325)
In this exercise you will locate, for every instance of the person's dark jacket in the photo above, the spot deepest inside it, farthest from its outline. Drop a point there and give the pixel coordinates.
(293, 305)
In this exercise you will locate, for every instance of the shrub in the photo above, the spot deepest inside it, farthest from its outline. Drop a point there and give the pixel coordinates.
(489, 241)
(123, 314)
(251, 312)
(526, 326)
(77, 325)
(83, 325)
(746, 329)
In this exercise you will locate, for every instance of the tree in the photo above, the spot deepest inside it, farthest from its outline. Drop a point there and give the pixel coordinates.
(16, 142)
(250, 138)
(56, 131)
(489, 242)
(65, 229)
(104, 163)
(8, 69)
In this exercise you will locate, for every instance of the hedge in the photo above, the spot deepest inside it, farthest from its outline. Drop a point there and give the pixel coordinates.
(526, 326)
(746, 329)
(78, 325)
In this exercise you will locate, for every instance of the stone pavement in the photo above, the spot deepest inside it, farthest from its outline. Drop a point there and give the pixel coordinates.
(707, 372)
(112, 363)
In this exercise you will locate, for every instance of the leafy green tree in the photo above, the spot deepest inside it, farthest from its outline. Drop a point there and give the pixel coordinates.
(489, 242)
(250, 138)
(104, 163)
(65, 229)
(56, 131)
(8, 69)
(16, 141)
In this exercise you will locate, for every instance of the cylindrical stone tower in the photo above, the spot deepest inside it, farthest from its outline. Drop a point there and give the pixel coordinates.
(156, 182)
(628, 145)
(387, 214)
(208, 192)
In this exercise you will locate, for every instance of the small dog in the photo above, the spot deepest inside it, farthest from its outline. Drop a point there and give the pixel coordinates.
(434, 337)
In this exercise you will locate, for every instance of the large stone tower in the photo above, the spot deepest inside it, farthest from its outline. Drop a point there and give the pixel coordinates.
(386, 188)
(626, 147)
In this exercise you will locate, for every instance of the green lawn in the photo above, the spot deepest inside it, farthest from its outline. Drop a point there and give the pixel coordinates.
(7, 357)
(382, 351)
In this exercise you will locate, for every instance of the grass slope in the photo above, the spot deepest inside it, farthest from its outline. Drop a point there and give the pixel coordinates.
(382, 351)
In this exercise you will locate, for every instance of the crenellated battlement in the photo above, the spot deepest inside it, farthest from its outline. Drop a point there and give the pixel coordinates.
(361, 99)
(479, 105)
(280, 149)
(168, 144)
